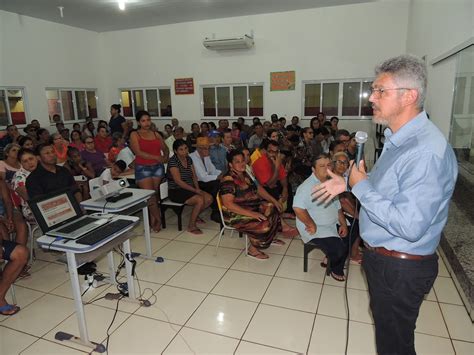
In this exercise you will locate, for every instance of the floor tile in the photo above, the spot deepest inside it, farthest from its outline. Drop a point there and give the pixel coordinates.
(227, 241)
(459, 324)
(430, 320)
(463, 348)
(356, 279)
(294, 294)
(42, 315)
(225, 257)
(37, 265)
(243, 285)
(267, 267)
(446, 291)
(47, 347)
(296, 248)
(332, 303)
(292, 268)
(223, 315)
(46, 279)
(191, 341)
(279, 249)
(152, 271)
(180, 251)
(138, 244)
(170, 232)
(47, 255)
(442, 269)
(282, 328)
(98, 320)
(252, 349)
(24, 297)
(204, 238)
(428, 345)
(65, 290)
(329, 337)
(173, 305)
(431, 296)
(141, 335)
(197, 277)
(12, 342)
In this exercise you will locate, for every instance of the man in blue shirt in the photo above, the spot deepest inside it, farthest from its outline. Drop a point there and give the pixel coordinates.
(404, 202)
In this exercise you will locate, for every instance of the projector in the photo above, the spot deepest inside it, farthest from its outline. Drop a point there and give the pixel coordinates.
(108, 190)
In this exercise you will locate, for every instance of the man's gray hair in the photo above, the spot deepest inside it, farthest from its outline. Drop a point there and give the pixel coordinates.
(409, 72)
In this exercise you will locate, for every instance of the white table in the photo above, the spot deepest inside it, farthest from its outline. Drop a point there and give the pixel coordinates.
(79, 254)
(137, 200)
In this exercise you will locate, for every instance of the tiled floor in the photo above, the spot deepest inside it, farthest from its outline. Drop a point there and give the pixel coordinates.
(203, 303)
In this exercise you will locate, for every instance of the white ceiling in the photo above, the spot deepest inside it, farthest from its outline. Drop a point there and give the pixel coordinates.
(104, 15)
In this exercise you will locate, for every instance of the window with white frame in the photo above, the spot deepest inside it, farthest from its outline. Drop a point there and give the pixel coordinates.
(157, 101)
(71, 104)
(12, 106)
(232, 100)
(343, 98)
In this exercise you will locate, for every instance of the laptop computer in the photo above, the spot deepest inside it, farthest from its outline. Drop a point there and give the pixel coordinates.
(60, 215)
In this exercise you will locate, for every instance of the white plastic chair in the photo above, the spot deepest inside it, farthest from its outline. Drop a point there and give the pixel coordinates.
(32, 228)
(226, 227)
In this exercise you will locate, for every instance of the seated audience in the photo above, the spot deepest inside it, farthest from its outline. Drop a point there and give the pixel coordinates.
(321, 118)
(65, 134)
(151, 153)
(89, 129)
(236, 135)
(351, 147)
(26, 142)
(183, 186)
(56, 118)
(336, 147)
(76, 127)
(248, 208)
(334, 121)
(59, 126)
(102, 140)
(76, 140)
(207, 174)
(59, 147)
(314, 123)
(343, 136)
(317, 223)
(218, 152)
(29, 162)
(174, 124)
(17, 257)
(178, 133)
(223, 125)
(245, 130)
(205, 129)
(42, 136)
(35, 123)
(324, 138)
(168, 131)
(49, 177)
(12, 136)
(212, 126)
(191, 138)
(102, 123)
(81, 170)
(30, 131)
(306, 151)
(118, 143)
(114, 172)
(93, 156)
(294, 127)
(256, 139)
(266, 126)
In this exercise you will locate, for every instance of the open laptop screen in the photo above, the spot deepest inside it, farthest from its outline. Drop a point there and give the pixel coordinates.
(53, 210)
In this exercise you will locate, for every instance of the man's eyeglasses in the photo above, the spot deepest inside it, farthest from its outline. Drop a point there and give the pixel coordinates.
(341, 162)
(377, 93)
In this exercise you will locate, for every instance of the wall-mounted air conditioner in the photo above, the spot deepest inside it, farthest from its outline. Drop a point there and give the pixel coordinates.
(218, 44)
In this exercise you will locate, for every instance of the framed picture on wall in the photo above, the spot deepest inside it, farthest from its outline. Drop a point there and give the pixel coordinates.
(282, 80)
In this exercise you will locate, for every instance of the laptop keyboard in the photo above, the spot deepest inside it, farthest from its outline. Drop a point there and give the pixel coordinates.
(103, 232)
(79, 224)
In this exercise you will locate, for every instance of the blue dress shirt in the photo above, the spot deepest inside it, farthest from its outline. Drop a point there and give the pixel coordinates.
(405, 200)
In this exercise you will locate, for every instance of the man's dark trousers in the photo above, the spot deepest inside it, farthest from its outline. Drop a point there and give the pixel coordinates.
(397, 288)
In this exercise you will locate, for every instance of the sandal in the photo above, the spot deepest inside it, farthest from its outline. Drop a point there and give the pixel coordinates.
(195, 231)
(278, 242)
(258, 256)
(9, 309)
(340, 278)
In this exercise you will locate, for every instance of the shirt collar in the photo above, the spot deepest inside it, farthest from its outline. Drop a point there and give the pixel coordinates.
(408, 130)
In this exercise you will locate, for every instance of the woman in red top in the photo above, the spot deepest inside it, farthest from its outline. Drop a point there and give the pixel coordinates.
(102, 141)
(151, 152)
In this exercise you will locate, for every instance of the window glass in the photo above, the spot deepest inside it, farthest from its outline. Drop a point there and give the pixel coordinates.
(92, 104)
(165, 103)
(67, 103)
(330, 99)
(152, 102)
(350, 98)
(209, 101)
(365, 104)
(223, 101)
(3, 109)
(240, 100)
(256, 100)
(17, 106)
(126, 96)
(54, 104)
(312, 99)
(81, 105)
(138, 102)
(460, 89)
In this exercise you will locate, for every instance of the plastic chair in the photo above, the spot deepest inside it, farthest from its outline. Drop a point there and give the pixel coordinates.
(226, 227)
(32, 228)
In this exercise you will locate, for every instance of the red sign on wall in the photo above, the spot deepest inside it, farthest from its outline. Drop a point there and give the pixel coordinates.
(184, 86)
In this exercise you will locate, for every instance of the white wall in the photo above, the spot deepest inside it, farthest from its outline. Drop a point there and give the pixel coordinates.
(38, 54)
(435, 27)
(325, 43)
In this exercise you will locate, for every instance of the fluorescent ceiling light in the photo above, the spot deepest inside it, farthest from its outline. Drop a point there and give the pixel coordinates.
(121, 5)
